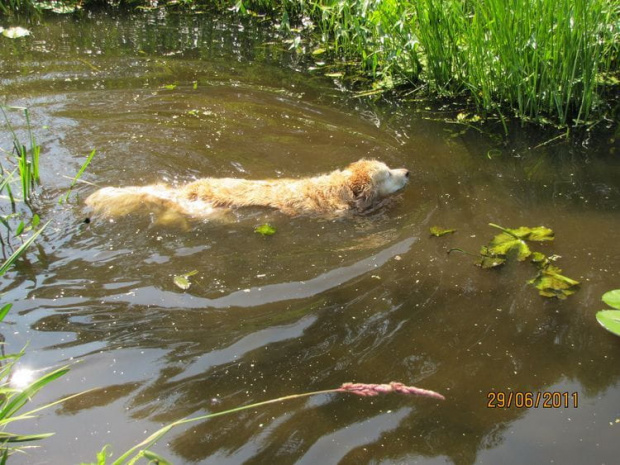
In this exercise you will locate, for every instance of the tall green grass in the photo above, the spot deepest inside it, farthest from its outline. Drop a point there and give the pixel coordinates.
(26, 158)
(16, 7)
(538, 58)
(542, 60)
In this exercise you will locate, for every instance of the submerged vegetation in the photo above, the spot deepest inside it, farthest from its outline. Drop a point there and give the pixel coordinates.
(547, 61)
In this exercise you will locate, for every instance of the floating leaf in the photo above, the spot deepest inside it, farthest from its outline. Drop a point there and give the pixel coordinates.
(20, 228)
(318, 51)
(15, 32)
(505, 243)
(490, 261)
(610, 320)
(539, 233)
(550, 283)
(170, 86)
(438, 231)
(265, 229)
(338, 74)
(538, 257)
(612, 298)
(183, 280)
(513, 241)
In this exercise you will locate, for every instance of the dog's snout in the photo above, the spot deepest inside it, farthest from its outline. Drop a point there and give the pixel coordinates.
(406, 173)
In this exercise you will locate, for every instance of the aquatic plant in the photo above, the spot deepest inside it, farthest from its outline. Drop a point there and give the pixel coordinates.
(265, 230)
(79, 174)
(19, 385)
(14, 397)
(514, 243)
(24, 162)
(183, 281)
(19, 7)
(437, 231)
(27, 158)
(610, 319)
(140, 451)
(543, 60)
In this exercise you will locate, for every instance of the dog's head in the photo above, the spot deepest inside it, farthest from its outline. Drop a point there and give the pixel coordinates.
(371, 180)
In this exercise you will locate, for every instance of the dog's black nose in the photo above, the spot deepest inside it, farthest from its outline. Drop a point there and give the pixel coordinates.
(407, 173)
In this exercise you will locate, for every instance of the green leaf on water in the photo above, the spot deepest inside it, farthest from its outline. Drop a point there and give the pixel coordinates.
(182, 280)
(170, 86)
(612, 298)
(610, 320)
(318, 51)
(265, 229)
(487, 260)
(338, 74)
(438, 231)
(20, 228)
(512, 241)
(505, 243)
(551, 283)
(539, 233)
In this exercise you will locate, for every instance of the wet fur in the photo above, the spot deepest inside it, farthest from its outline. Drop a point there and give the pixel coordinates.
(355, 189)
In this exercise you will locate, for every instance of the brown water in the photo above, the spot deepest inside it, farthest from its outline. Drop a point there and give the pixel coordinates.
(321, 302)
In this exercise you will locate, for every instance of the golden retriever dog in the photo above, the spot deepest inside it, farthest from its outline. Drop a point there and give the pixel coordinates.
(358, 188)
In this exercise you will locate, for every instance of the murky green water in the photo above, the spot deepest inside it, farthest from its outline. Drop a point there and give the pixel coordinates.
(322, 302)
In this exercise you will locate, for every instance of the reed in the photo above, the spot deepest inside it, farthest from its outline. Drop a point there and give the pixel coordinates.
(26, 158)
(542, 60)
(19, 7)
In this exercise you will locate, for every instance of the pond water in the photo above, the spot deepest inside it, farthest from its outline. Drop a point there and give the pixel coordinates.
(322, 302)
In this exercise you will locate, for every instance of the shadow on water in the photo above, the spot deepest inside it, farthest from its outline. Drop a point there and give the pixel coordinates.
(322, 302)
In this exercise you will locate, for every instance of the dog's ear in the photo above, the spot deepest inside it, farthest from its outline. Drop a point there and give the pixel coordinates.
(362, 186)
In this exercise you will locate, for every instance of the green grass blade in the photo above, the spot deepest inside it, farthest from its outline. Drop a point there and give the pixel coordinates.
(79, 175)
(18, 253)
(13, 438)
(18, 401)
(4, 311)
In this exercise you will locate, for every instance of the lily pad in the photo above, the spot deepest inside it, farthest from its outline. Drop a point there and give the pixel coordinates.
(183, 280)
(610, 320)
(612, 298)
(265, 229)
(438, 231)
